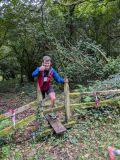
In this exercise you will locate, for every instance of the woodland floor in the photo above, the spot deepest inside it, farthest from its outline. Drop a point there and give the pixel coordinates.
(97, 128)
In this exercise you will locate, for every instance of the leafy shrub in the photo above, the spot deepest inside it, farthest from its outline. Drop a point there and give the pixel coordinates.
(80, 63)
(112, 67)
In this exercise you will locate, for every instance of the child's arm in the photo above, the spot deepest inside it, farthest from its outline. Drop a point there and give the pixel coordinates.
(57, 77)
(37, 70)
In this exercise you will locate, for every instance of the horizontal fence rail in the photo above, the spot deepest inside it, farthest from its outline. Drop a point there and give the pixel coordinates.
(95, 92)
(19, 110)
(67, 107)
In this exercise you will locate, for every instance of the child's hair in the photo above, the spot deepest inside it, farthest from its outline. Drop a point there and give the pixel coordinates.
(46, 58)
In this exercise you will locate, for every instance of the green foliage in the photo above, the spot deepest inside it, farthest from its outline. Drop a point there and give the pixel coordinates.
(112, 82)
(6, 86)
(96, 127)
(88, 99)
(5, 151)
(78, 62)
(27, 89)
(5, 123)
(74, 33)
(112, 67)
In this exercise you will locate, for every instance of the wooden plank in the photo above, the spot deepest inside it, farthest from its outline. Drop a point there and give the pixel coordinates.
(95, 92)
(56, 125)
(32, 105)
(48, 131)
(18, 110)
(24, 107)
(24, 122)
(19, 124)
(67, 101)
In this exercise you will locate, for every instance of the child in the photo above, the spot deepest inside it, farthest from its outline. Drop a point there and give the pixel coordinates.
(113, 152)
(44, 75)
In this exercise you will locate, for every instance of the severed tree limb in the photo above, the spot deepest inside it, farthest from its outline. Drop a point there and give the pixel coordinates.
(101, 53)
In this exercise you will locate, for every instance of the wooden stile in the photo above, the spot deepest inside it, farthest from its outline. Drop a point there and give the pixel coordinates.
(67, 101)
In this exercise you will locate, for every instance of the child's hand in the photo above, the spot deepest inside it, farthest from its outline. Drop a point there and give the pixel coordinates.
(42, 68)
(65, 80)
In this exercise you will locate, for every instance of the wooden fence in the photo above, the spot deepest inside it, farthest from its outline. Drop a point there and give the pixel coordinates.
(67, 107)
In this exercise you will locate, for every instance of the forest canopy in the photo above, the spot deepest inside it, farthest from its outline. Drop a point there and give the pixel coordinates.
(81, 36)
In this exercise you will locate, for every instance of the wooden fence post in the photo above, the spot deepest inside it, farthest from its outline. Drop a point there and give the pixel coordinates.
(67, 100)
(39, 103)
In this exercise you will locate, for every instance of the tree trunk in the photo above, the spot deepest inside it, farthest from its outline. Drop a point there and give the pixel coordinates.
(21, 75)
(70, 25)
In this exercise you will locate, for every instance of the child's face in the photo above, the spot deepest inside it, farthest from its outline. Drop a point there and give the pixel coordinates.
(47, 64)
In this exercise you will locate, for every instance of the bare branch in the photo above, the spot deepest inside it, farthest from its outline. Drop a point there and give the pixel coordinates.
(102, 54)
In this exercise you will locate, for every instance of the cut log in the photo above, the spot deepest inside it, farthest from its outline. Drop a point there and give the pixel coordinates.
(57, 126)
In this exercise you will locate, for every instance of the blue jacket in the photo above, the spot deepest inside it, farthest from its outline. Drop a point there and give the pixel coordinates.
(40, 78)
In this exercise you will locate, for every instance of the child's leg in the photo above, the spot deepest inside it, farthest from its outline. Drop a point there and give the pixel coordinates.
(52, 99)
(51, 94)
